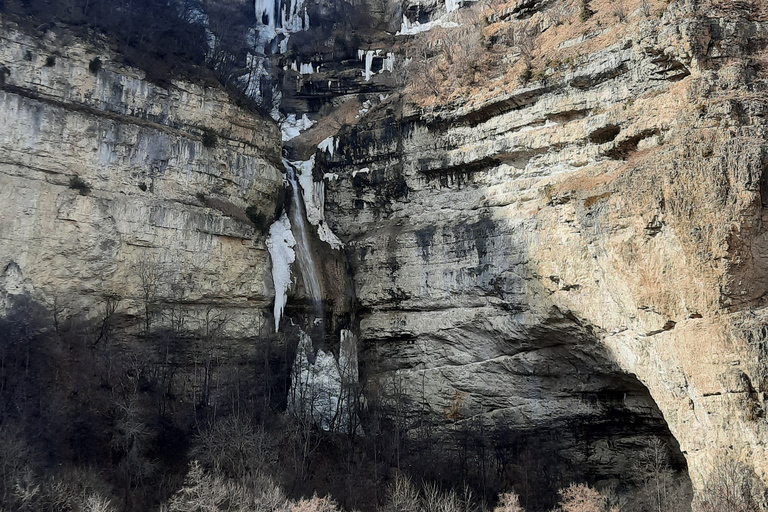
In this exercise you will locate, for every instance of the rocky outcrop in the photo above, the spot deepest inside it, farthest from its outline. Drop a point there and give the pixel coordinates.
(569, 264)
(534, 260)
(114, 187)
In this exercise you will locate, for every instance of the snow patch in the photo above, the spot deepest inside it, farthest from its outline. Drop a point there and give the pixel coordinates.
(328, 145)
(409, 29)
(292, 127)
(364, 170)
(280, 245)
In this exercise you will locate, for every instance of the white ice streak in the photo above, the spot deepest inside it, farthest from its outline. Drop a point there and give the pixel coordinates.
(364, 170)
(280, 245)
(452, 5)
(389, 63)
(292, 127)
(320, 385)
(306, 69)
(328, 145)
(409, 29)
(292, 17)
(368, 63)
(313, 193)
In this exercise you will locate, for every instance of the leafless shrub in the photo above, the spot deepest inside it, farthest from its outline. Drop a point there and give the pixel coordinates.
(150, 275)
(559, 13)
(619, 10)
(525, 40)
(582, 498)
(71, 489)
(645, 8)
(313, 504)
(731, 486)
(402, 495)
(434, 500)
(660, 487)
(203, 491)
(231, 447)
(508, 502)
(15, 457)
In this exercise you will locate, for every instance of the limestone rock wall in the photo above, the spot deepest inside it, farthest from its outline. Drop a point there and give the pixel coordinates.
(113, 186)
(520, 259)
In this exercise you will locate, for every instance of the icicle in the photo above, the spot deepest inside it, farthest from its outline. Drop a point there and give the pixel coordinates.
(280, 245)
(368, 64)
(327, 145)
(451, 5)
(389, 63)
(265, 12)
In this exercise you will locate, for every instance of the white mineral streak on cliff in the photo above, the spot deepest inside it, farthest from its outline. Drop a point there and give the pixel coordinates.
(280, 245)
(452, 5)
(322, 388)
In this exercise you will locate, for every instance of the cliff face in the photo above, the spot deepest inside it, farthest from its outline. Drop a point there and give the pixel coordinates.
(532, 260)
(556, 267)
(114, 187)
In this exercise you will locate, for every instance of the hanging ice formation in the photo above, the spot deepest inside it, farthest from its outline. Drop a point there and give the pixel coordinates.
(313, 194)
(408, 28)
(321, 388)
(387, 64)
(280, 245)
(452, 5)
(280, 17)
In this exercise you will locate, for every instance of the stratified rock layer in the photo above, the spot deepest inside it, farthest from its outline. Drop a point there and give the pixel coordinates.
(519, 259)
(114, 187)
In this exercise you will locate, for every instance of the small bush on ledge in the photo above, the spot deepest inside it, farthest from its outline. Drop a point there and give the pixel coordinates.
(77, 183)
(586, 11)
(209, 138)
(258, 218)
(94, 66)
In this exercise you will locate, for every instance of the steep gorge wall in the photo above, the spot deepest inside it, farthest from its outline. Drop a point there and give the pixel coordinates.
(519, 256)
(554, 267)
(157, 208)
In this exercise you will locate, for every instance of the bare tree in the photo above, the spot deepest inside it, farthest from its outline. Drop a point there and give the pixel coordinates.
(731, 486)
(111, 303)
(150, 276)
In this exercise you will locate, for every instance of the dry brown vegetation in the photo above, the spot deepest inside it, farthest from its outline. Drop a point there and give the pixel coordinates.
(494, 52)
(702, 184)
